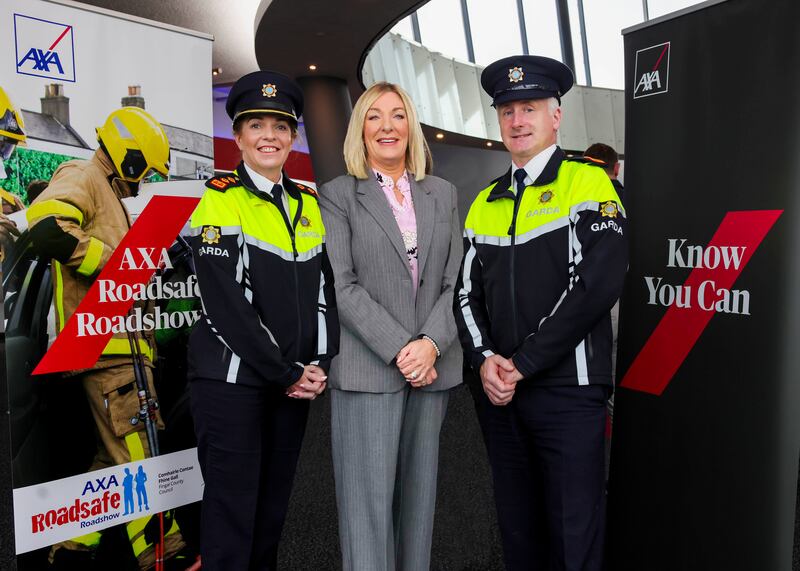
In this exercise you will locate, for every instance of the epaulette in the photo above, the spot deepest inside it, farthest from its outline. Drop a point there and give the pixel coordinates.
(587, 161)
(223, 183)
(306, 189)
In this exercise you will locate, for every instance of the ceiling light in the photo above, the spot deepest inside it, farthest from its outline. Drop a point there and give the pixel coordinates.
(312, 67)
(488, 143)
(216, 71)
(440, 136)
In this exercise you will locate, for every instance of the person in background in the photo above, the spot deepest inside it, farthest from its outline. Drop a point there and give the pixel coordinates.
(545, 259)
(268, 331)
(394, 242)
(609, 160)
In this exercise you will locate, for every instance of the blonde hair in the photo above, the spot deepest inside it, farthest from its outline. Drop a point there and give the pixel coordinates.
(418, 154)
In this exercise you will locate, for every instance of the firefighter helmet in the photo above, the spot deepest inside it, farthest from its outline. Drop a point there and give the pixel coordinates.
(12, 127)
(135, 142)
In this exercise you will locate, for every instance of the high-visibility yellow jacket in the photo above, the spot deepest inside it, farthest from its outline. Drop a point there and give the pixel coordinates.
(265, 284)
(541, 271)
(78, 221)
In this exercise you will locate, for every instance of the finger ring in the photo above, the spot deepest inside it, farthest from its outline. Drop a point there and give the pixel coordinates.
(413, 375)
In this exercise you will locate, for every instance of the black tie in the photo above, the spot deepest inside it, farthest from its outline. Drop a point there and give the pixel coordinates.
(519, 176)
(277, 194)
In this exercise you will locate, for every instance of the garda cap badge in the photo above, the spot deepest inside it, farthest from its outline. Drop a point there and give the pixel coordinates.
(211, 234)
(305, 222)
(546, 196)
(609, 209)
(269, 90)
(515, 74)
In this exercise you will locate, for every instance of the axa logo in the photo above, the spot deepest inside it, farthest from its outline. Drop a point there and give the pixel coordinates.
(652, 71)
(44, 48)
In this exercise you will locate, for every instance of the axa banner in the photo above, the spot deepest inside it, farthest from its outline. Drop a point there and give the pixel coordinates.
(58, 511)
(706, 434)
(103, 463)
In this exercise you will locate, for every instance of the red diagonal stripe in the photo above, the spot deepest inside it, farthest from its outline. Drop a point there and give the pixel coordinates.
(680, 328)
(64, 33)
(655, 67)
(156, 227)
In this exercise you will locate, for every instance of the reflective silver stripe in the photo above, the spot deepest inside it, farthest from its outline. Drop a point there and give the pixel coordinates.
(233, 368)
(522, 238)
(233, 365)
(283, 254)
(248, 292)
(581, 206)
(224, 230)
(555, 307)
(322, 326)
(234, 357)
(466, 310)
(580, 363)
(577, 247)
(488, 353)
(310, 254)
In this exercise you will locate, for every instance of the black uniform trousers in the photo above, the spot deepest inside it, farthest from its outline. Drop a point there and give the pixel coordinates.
(546, 450)
(248, 443)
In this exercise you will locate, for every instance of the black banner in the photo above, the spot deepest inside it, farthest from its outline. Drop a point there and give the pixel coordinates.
(704, 459)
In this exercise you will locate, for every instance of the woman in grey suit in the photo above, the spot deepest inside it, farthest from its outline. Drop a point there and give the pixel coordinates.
(394, 243)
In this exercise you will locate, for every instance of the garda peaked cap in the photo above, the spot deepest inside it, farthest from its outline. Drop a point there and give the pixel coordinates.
(526, 77)
(265, 92)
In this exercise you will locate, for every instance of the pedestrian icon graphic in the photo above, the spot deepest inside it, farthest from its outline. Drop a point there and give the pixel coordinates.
(141, 490)
(127, 491)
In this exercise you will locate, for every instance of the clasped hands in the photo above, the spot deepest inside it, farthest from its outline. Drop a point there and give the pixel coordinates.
(415, 362)
(499, 377)
(310, 385)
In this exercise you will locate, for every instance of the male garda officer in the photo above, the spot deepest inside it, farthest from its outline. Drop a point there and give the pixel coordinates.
(78, 221)
(545, 258)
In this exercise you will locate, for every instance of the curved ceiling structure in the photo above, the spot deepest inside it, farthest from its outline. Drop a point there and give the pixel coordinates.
(334, 36)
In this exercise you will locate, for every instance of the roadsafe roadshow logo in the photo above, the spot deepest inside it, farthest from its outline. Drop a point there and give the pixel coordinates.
(100, 501)
(706, 292)
(44, 48)
(652, 71)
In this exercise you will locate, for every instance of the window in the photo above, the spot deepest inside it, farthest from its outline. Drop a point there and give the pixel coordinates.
(658, 8)
(404, 28)
(442, 28)
(541, 23)
(604, 24)
(495, 29)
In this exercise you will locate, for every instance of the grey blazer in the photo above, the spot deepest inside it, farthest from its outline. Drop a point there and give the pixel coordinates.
(374, 292)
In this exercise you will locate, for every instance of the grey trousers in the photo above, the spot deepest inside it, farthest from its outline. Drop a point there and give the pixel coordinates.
(385, 460)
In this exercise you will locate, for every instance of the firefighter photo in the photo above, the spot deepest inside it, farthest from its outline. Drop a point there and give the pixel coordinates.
(77, 222)
(12, 133)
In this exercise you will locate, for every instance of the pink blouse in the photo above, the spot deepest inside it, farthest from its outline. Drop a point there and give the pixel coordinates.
(404, 215)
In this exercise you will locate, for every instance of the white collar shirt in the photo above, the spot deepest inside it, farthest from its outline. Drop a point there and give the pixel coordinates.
(265, 185)
(533, 168)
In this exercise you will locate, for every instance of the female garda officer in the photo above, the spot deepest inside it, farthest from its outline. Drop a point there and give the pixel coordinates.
(268, 332)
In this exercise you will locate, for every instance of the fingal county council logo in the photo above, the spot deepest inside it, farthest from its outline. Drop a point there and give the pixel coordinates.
(652, 71)
(44, 48)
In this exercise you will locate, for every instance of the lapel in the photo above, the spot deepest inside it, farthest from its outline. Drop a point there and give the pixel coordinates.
(424, 209)
(370, 196)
